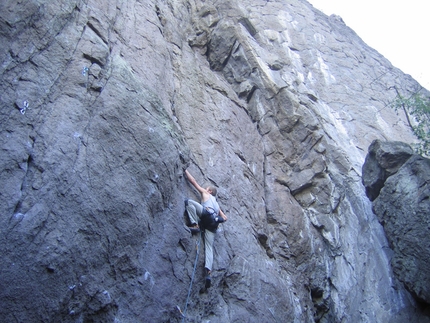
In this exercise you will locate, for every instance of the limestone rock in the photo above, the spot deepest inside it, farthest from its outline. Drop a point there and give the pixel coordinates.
(104, 103)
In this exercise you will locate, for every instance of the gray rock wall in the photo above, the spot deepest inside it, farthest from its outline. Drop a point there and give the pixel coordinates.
(105, 102)
(402, 205)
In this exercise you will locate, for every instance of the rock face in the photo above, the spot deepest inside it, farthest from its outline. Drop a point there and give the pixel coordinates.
(104, 103)
(383, 160)
(402, 205)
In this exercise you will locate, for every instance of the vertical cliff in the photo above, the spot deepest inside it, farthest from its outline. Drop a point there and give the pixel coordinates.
(103, 105)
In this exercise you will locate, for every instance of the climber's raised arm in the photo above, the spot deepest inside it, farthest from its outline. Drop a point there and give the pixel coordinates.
(193, 181)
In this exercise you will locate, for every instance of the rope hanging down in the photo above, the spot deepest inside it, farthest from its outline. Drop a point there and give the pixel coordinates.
(184, 314)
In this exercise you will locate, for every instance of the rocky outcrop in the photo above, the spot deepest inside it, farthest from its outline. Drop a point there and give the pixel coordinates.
(402, 205)
(383, 160)
(103, 105)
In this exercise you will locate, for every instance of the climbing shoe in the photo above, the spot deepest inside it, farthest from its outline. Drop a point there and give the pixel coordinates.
(194, 229)
(208, 279)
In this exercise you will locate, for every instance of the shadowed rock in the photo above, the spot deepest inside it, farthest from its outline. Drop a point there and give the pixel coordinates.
(402, 205)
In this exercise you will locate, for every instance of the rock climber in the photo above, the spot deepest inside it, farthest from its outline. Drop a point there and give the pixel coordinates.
(205, 216)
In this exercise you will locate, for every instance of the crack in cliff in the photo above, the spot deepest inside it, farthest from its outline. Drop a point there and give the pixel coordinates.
(97, 32)
(29, 166)
(236, 101)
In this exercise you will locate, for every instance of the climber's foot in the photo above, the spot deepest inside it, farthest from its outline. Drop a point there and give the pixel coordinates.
(194, 229)
(208, 279)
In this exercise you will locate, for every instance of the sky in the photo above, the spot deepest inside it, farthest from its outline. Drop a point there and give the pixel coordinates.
(397, 29)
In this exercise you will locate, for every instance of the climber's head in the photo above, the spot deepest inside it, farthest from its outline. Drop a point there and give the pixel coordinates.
(211, 190)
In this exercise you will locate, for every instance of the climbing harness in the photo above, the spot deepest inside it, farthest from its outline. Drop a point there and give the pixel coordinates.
(184, 313)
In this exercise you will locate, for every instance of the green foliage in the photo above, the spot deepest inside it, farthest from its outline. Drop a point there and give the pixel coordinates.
(418, 107)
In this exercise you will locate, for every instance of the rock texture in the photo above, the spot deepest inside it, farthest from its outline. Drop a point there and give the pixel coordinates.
(402, 204)
(104, 103)
(383, 160)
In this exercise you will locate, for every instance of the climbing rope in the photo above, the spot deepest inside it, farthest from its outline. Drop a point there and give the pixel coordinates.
(184, 313)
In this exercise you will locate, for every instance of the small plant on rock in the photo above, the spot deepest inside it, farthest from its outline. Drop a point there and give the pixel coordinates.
(417, 111)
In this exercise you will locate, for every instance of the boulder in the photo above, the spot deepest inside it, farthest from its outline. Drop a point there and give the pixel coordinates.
(402, 205)
(383, 160)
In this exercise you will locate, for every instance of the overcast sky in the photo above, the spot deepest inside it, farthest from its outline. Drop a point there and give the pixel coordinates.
(397, 29)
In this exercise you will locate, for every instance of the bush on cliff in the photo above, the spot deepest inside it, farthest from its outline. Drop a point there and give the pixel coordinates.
(417, 106)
